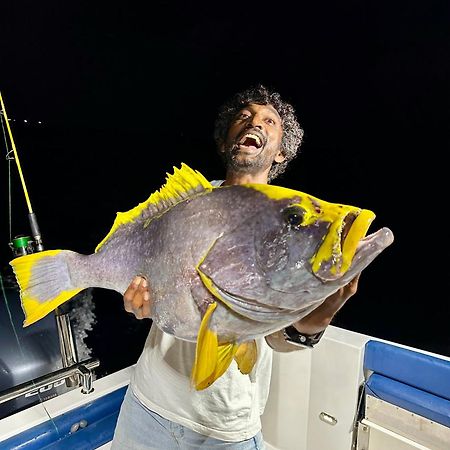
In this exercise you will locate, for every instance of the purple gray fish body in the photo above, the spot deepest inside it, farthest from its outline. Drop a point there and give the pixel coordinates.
(238, 261)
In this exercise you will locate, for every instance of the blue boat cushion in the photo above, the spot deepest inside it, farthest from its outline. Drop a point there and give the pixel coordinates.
(424, 372)
(101, 417)
(410, 398)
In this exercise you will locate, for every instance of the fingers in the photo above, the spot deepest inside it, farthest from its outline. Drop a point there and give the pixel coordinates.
(337, 299)
(146, 306)
(138, 295)
(352, 287)
(129, 294)
(136, 298)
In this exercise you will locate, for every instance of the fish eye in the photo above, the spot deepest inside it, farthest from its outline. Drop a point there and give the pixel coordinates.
(293, 216)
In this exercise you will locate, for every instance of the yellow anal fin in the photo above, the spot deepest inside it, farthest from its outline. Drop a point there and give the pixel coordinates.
(211, 359)
(246, 356)
(225, 353)
(225, 356)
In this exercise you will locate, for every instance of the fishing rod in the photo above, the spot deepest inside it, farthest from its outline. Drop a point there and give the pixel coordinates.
(22, 245)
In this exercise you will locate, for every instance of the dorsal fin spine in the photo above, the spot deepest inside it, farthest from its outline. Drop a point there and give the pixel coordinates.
(179, 186)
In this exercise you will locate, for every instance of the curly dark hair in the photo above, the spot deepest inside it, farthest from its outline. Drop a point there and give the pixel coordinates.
(292, 131)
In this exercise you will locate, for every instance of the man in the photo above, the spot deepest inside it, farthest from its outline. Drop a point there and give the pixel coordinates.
(257, 134)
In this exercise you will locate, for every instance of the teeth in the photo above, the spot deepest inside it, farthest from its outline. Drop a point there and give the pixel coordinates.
(253, 136)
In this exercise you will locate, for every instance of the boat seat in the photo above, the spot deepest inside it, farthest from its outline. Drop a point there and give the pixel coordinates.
(411, 380)
(100, 417)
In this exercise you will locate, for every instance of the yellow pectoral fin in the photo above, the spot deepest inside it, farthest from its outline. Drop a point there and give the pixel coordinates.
(205, 352)
(246, 356)
(211, 359)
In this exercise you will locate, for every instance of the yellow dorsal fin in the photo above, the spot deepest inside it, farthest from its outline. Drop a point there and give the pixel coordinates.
(246, 356)
(183, 183)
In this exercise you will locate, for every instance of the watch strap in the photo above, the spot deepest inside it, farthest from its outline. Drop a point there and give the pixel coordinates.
(292, 335)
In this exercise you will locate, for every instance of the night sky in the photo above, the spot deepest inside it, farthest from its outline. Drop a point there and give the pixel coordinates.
(126, 92)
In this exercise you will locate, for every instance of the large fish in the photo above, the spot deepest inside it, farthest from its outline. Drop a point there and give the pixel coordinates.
(226, 264)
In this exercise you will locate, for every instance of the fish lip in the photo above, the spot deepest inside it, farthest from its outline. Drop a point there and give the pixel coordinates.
(380, 239)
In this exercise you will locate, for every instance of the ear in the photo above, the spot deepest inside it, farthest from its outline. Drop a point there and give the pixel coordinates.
(279, 157)
(221, 146)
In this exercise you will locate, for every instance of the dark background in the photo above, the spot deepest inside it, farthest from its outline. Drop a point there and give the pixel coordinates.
(125, 92)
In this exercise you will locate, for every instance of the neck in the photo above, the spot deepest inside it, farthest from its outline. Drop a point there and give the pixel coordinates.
(244, 178)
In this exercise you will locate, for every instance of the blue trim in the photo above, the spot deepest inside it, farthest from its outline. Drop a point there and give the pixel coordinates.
(100, 414)
(410, 398)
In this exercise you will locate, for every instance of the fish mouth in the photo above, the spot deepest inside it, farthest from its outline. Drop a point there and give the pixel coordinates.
(336, 253)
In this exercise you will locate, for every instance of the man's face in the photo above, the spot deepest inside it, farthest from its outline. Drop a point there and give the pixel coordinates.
(253, 140)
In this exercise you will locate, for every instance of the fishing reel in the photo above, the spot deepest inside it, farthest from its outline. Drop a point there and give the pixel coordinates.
(23, 245)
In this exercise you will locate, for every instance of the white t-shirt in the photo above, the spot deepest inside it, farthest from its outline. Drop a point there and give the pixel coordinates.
(229, 409)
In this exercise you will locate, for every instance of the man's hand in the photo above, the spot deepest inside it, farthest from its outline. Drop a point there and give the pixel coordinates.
(136, 298)
(318, 319)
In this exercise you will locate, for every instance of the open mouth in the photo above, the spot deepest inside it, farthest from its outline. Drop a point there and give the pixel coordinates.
(336, 253)
(346, 226)
(251, 139)
(354, 232)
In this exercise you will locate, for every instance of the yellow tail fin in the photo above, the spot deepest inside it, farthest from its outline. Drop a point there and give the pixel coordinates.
(44, 283)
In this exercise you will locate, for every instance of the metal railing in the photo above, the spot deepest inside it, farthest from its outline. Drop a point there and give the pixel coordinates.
(81, 370)
(66, 343)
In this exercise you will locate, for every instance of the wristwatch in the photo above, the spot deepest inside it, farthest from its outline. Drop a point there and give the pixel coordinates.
(292, 335)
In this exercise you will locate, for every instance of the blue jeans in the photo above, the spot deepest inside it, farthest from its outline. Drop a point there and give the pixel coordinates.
(138, 428)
